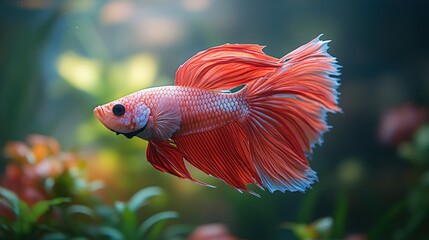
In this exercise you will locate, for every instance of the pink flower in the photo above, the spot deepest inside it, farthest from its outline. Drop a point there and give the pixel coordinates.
(211, 232)
(24, 182)
(399, 124)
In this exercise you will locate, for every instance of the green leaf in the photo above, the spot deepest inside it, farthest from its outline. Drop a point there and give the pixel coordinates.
(80, 209)
(307, 207)
(110, 233)
(128, 223)
(139, 199)
(22, 225)
(340, 216)
(55, 236)
(49, 184)
(107, 213)
(157, 218)
(120, 206)
(178, 231)
(12, 200)
(421, 140)
(323, 227)
(42, 207)
(300, 230)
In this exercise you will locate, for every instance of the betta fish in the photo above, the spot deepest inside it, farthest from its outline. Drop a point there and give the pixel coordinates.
(237, 114)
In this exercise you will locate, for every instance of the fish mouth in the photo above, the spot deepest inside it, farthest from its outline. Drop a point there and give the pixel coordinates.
(99, 112)
(130, 134)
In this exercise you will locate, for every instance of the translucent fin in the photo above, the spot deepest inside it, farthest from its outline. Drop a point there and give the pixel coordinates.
(225, 67)
(165, 120)
(166, 158)
(222, 153)
(287, 116)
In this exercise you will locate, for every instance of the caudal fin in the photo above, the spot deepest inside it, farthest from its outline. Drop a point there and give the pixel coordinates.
(288, 116)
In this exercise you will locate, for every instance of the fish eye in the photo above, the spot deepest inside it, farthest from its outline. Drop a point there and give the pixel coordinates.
(118, 110)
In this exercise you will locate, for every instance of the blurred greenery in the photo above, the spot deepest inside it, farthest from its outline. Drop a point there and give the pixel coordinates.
(59, 59)
(47, 195)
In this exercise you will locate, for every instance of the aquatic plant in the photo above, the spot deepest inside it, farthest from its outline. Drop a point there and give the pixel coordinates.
(45, 195)
(409, 216)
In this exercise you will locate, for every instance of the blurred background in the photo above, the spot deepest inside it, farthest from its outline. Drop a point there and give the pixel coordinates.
(60, 59)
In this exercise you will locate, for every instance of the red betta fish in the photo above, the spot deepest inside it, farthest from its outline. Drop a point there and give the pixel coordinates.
(236, 114)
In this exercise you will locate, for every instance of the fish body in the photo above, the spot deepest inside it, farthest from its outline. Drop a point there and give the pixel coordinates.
(199, 110)
(236, 114)
(195, 110)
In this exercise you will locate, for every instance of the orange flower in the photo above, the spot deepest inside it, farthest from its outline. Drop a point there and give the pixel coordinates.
(19, 152)
(34, 163)
(43, 147)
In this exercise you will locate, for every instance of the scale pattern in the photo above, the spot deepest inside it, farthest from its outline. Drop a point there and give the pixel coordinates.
(200, 110)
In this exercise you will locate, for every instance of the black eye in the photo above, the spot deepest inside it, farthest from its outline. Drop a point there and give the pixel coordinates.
(118, 110)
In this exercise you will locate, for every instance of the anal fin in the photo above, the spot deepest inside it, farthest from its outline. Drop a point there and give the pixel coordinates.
(223, 153)
(167, 158)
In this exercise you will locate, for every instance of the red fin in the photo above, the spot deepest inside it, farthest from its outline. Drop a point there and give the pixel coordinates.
(167, 158)
(287, 116)
(226, 67)
(222, 153)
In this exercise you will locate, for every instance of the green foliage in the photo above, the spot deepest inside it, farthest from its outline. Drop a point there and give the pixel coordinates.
(101, 221)
(150, 228)
(140, 198)
(53, 177)
(340, 216)
(415, 207)
(11, 199)
(417, 150)
(319, 229)
(155, 223)
(409, 216)
(25, 219)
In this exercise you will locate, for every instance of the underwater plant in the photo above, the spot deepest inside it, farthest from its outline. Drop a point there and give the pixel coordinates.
(44, 195)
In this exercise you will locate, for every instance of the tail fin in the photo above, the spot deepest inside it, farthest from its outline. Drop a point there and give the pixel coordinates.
(288, 116)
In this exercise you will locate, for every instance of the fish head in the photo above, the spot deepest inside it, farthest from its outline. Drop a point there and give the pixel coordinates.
(128, 116)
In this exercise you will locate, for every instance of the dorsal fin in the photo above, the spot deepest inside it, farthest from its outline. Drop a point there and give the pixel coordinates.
(226, 66)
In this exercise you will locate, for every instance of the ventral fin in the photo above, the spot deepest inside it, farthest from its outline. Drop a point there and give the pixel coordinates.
(167, 158)
(226, 67)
